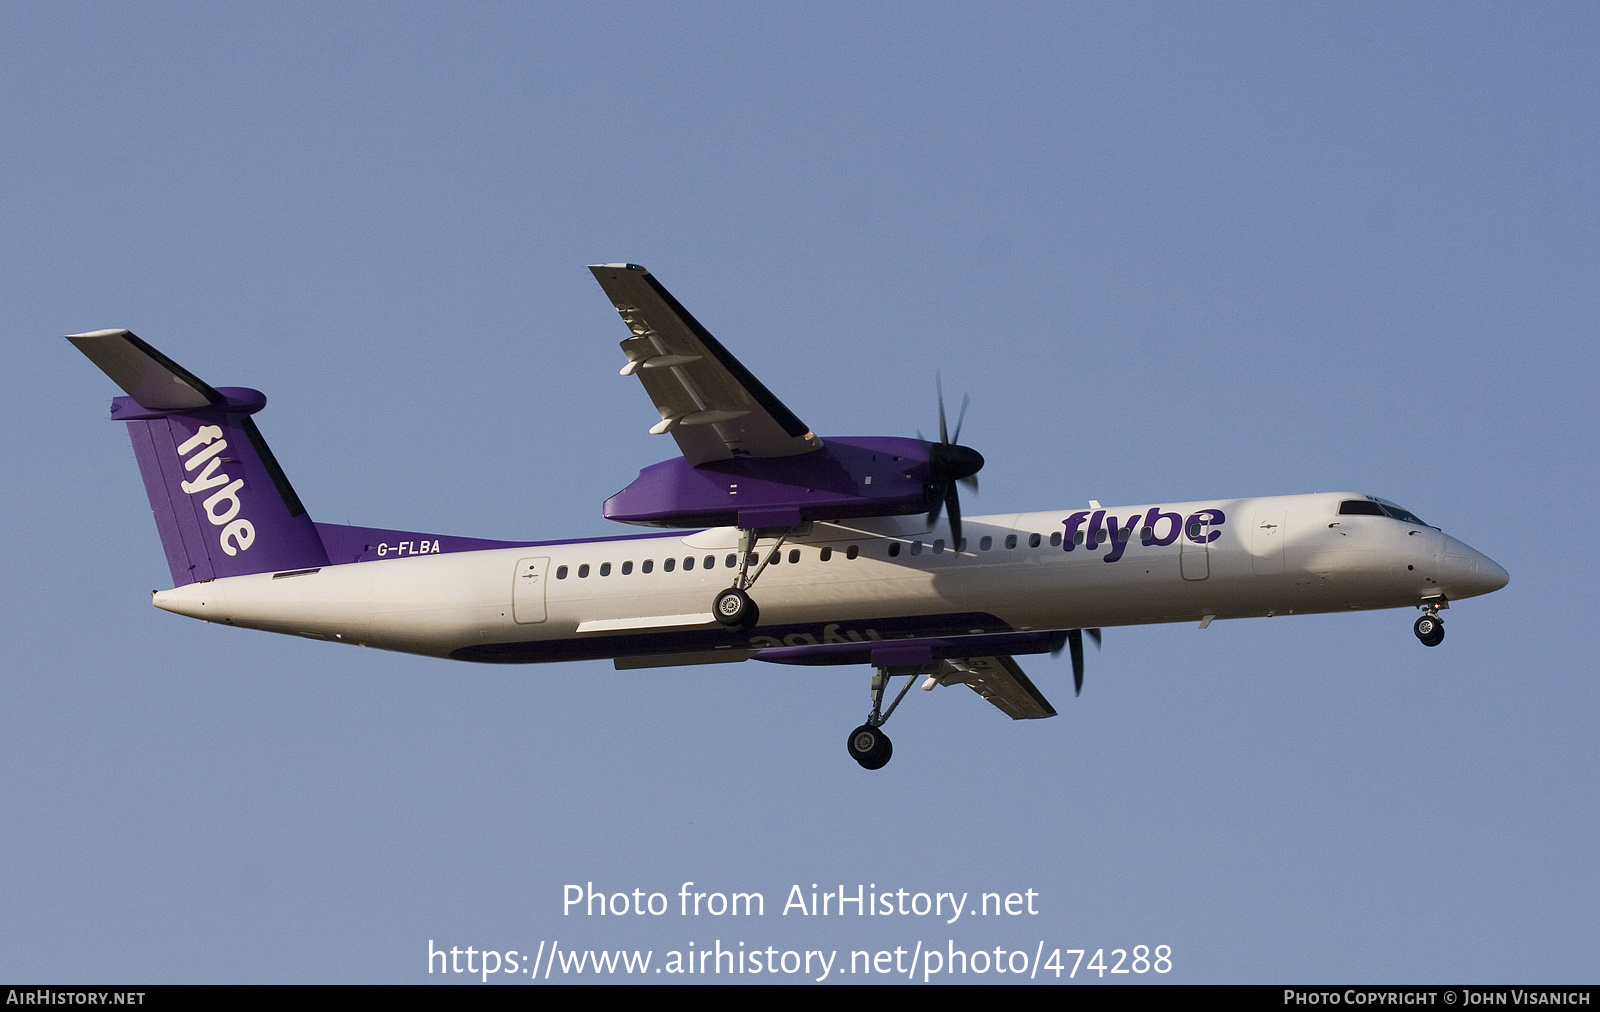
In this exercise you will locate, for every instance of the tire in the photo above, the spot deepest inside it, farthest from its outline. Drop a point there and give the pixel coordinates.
(1429, 630)
(734, 609)
(869, 746)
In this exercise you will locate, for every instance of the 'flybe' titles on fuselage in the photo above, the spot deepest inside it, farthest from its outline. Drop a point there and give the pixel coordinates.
(1199, 527)
(222, 506)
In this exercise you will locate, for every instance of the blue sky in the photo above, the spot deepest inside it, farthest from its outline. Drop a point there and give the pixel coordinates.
(1171, 252)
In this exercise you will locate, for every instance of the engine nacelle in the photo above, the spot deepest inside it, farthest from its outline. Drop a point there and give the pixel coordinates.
(853, 476)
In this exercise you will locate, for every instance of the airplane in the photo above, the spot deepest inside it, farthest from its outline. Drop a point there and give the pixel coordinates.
(858, 544)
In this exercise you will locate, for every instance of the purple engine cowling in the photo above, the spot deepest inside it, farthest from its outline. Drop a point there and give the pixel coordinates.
(851, 476)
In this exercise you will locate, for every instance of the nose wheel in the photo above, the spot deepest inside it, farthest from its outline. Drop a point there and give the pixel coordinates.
(1429, 629)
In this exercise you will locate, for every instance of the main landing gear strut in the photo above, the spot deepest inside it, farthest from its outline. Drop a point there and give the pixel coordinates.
(733, 606)
(1430, 628)
(867, 744)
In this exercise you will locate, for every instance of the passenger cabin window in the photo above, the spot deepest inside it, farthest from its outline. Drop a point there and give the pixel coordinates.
(894, 549)
(938, 546)
(733, 560)
(916, 548)
(583, 571)
(627, 567)
(668, 565)
(648, 565)
(1033, 541)
(561, 572)
(1055, 540)
(852, 552)
(985, 543)
(825, 555)
(794, 555)
(688, 563)
(710, 562)
(605, 569)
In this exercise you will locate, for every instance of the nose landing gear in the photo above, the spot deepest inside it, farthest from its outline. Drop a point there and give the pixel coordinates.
(1430, 628)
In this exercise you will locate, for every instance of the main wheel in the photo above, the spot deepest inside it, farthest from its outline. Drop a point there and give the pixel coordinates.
(735, 610)
(870, 747)
(1429, 630)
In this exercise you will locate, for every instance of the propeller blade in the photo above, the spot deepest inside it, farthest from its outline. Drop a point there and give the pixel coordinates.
(944, 434)
(971, 481)
(1075, 641)
(961, 416)
(953, 503)
(1094, 634)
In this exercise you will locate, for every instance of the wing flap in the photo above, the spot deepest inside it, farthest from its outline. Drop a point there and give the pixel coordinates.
(710, 403)
(1002, 682)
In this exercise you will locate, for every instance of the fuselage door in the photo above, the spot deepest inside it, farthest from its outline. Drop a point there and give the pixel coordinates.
(1266, 540)
(527, 590)
(1193, 555)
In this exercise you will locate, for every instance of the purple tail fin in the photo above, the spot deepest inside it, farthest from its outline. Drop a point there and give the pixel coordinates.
(222, 504)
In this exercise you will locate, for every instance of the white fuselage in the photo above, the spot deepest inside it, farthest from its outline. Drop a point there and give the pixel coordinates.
(573, 600)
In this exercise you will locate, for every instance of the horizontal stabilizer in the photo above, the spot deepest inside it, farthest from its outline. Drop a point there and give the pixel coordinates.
(149, 377)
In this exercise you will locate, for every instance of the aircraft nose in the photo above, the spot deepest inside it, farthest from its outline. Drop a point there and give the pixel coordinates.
(1468, 572)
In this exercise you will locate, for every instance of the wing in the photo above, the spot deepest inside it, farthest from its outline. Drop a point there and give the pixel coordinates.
(999, 680)
(712, 405)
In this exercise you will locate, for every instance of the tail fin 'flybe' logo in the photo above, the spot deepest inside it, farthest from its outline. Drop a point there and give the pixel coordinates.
(223, 505)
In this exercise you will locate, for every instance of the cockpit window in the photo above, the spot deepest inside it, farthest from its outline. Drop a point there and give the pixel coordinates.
(1378, 508)
(1360, 508)
(1401, 513)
